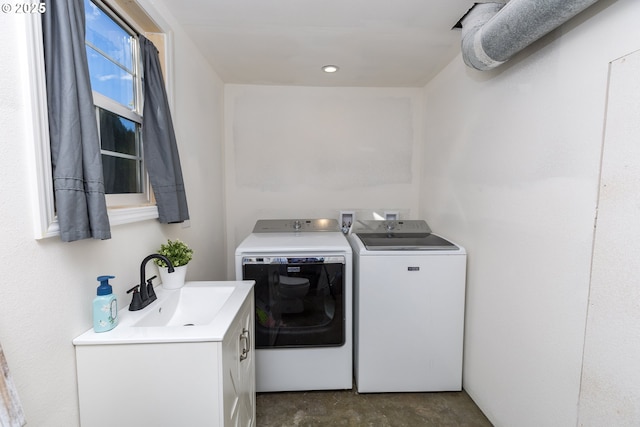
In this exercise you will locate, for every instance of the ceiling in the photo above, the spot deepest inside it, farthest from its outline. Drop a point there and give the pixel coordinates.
(376, 43)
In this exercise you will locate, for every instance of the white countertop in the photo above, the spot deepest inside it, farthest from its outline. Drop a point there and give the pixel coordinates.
(127, 333)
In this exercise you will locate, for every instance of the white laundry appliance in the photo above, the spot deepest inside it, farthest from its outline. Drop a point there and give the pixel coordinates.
(409, 293)
(303, 298)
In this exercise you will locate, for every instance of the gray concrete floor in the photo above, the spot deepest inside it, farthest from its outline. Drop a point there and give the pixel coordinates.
(348, 408)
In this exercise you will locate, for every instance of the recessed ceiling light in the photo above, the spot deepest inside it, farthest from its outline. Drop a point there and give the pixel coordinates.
(330, 68)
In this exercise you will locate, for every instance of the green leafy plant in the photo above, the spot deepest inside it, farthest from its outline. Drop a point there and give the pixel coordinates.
(178, 252)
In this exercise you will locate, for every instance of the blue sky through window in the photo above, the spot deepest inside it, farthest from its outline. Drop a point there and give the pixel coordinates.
(110, 56)
(112, 60)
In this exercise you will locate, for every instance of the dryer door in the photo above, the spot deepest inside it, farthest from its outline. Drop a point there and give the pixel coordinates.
(299, 300)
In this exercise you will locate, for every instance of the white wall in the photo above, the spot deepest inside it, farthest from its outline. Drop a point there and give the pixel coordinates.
(509, 168)
(47, 286)
(610, 394)
(310, 152)
(511, 171)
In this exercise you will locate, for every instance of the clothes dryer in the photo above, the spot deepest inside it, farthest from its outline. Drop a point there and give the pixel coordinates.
(409, 293)
(303, 298)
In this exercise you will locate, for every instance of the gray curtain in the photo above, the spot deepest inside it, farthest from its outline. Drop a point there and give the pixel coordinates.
(75, 147)
(159, 140)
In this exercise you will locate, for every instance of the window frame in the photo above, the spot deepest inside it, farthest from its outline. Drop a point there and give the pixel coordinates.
(134, 114)
(45, 221)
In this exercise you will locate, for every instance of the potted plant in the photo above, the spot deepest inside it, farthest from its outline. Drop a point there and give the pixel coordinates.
(179, 253)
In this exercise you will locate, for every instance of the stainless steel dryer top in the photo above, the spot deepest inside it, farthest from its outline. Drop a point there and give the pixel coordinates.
(299, 225)
(399, 235)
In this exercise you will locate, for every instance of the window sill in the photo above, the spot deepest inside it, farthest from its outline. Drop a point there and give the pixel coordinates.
(121, 216)
(117, 216)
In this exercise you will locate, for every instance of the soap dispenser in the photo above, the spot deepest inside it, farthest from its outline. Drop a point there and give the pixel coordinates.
(105, 306)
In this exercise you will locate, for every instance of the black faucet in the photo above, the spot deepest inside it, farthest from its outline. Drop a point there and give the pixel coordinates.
(146, 294)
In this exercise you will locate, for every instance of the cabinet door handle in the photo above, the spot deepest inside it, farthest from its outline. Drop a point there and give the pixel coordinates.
(246, 346)
(248, 339)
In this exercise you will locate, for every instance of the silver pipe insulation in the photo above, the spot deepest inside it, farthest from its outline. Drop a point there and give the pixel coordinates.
(494, 32)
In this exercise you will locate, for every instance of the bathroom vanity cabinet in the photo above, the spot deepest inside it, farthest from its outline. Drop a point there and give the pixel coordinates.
(238, 370)
(190, 381)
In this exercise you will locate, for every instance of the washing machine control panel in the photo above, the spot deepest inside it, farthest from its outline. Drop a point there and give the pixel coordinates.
(391, 226)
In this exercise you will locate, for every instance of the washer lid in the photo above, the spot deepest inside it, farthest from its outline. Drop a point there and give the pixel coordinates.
(412, 234)
(405, 241)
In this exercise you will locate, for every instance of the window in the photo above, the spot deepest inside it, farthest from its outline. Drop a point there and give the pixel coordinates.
(147, 22)
(114, 67)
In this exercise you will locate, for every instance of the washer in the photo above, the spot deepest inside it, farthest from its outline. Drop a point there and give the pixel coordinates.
(303, 295)
(409, 291)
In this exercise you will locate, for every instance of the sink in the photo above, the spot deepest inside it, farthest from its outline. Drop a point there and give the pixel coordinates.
(200, 311)
(160, 372)
(188, 306)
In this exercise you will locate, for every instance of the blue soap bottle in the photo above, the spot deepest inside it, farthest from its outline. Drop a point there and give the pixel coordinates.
(105, 306)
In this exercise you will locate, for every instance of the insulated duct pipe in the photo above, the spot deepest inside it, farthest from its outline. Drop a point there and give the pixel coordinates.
(494, 32)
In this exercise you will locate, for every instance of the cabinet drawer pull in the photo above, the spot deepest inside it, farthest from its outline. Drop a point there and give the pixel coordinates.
(246, 346)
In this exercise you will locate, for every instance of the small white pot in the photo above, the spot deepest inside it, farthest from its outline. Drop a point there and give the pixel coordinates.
(173, 280)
